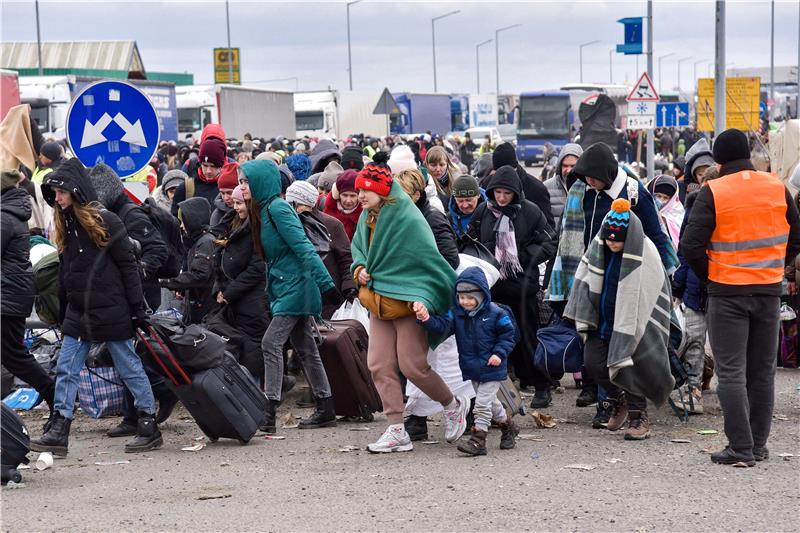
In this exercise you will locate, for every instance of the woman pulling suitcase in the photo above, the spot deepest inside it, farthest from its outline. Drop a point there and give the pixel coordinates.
(101, 301)
(295, 278)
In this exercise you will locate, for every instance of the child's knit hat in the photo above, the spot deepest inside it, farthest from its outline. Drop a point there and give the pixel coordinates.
(615, 225)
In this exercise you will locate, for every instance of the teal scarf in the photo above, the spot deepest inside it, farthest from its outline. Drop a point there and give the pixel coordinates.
(570, 245)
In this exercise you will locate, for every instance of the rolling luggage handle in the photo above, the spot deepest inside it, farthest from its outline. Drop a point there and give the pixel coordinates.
(167, 352)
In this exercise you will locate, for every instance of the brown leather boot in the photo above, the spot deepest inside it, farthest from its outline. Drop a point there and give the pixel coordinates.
(509, 435)
(638, 426)
(619, 413)
(475, 445)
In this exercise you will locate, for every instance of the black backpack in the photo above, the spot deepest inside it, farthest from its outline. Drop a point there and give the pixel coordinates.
(170, 231)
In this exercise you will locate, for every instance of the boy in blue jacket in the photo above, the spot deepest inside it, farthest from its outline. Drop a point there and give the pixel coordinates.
(485, 334)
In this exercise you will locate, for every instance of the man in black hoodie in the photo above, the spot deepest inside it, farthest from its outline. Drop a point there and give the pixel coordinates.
(534, 243)
(743, 230)
(533, 189)
(17, 289)
(196, 280)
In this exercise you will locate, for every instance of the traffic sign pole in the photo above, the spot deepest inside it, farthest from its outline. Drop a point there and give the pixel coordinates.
(651, 146)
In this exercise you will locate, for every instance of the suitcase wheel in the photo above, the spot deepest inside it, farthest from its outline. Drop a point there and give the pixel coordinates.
(243, 442)
(11, 474)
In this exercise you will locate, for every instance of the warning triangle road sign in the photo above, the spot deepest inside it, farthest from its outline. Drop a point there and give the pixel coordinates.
(386, 104)
(643, 91)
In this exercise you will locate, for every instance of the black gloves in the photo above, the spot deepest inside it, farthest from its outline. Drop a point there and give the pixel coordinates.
(139, 319)
(333, 296)
(351, 295)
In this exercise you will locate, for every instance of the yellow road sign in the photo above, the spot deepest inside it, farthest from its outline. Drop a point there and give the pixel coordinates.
(741, 103)
(223, 63)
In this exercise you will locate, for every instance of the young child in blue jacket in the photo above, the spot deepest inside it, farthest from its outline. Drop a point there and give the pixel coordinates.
(485, 334)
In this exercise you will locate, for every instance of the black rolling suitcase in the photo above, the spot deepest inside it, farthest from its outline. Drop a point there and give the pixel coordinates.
(223, 400)
(15, 443)
(343, 349)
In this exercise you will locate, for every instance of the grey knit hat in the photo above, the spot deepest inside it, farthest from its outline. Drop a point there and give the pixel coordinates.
(465, 287)
(172, 179)
(329, 175)
(107, 184)
(303, 193)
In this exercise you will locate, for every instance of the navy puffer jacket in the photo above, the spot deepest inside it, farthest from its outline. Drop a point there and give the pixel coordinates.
(479, 334)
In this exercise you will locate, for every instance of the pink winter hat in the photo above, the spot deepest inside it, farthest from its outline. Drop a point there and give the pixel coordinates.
(237, 194)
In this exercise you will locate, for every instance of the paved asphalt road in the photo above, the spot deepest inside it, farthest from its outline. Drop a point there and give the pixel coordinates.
(307, 483)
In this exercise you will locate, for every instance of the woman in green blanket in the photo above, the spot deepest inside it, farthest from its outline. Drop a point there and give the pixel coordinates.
(396, 263)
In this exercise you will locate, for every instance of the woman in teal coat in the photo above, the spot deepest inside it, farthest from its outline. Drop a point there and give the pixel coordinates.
(295, 278)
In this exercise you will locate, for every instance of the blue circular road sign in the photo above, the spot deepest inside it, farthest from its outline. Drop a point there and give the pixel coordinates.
(113, 122)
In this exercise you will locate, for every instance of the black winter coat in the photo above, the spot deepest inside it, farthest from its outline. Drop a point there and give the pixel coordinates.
(442, 230)
(535, 191)
(17, 289)
(241, 276)
(196, 280)
(153, 250)
(337, 262)
(535, 238)
(99, 288)
(202, 189)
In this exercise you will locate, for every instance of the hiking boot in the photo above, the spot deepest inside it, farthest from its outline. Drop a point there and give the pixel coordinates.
(148, 436)
(638, 426)
(619, 413)
(760, 453)
(165, 408)
(416, 427)
(509, 434)
(394, 439)
(125, 428)
(542, 398)
(324, 416)
(728, 457)
(600, 420)
(268, 426)
(475, 445)
(56, 440)
(306, 400)
(455, 420)
(587, 397)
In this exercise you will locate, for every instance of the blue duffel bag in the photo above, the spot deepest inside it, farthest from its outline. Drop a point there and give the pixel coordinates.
(560, 349)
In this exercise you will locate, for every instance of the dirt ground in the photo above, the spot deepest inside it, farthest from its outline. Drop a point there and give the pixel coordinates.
(313, 481)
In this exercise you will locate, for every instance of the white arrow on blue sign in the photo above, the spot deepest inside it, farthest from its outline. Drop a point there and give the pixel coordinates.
(115, 123)
(672, 115)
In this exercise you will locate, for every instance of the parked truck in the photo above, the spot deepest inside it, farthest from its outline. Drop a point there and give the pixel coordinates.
(51, 96)
(420, 113)
(338, 114)
(260, 112)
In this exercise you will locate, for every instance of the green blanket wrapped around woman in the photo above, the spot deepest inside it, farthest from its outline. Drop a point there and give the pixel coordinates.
(403, 259)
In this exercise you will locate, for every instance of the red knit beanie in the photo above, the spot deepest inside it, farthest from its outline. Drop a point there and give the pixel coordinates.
(346, 182)
(213, 151)
(228, 177)
(375, 177)
(211, 131)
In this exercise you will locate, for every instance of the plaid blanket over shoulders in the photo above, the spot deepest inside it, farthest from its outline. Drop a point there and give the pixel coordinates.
(637, 356)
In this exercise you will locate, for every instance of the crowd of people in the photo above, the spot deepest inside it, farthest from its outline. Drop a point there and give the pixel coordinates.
(273, 234)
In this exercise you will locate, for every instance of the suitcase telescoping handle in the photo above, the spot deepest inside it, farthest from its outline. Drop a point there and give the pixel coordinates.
(167, 352)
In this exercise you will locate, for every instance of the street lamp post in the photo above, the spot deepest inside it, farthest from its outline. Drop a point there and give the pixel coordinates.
(497, 53)
(478, 62)
(433, 41)
(695, 71)
(660, 73)
(349, 55)
(230, 55)
(580, 56)
(39, 40)
(610, 66)
(681, 60)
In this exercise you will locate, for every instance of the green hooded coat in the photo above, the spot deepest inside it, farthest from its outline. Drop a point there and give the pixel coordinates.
(295, 273)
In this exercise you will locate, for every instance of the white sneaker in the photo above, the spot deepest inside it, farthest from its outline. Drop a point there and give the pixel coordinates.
(394, 439)
(455, 421)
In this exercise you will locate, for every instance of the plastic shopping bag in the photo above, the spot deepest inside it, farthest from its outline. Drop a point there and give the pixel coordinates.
(353, 311)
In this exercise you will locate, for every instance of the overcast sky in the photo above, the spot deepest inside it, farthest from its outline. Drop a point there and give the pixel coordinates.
(391, 41)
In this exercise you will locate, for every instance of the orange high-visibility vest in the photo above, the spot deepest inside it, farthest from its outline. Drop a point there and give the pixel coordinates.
(748, 246)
